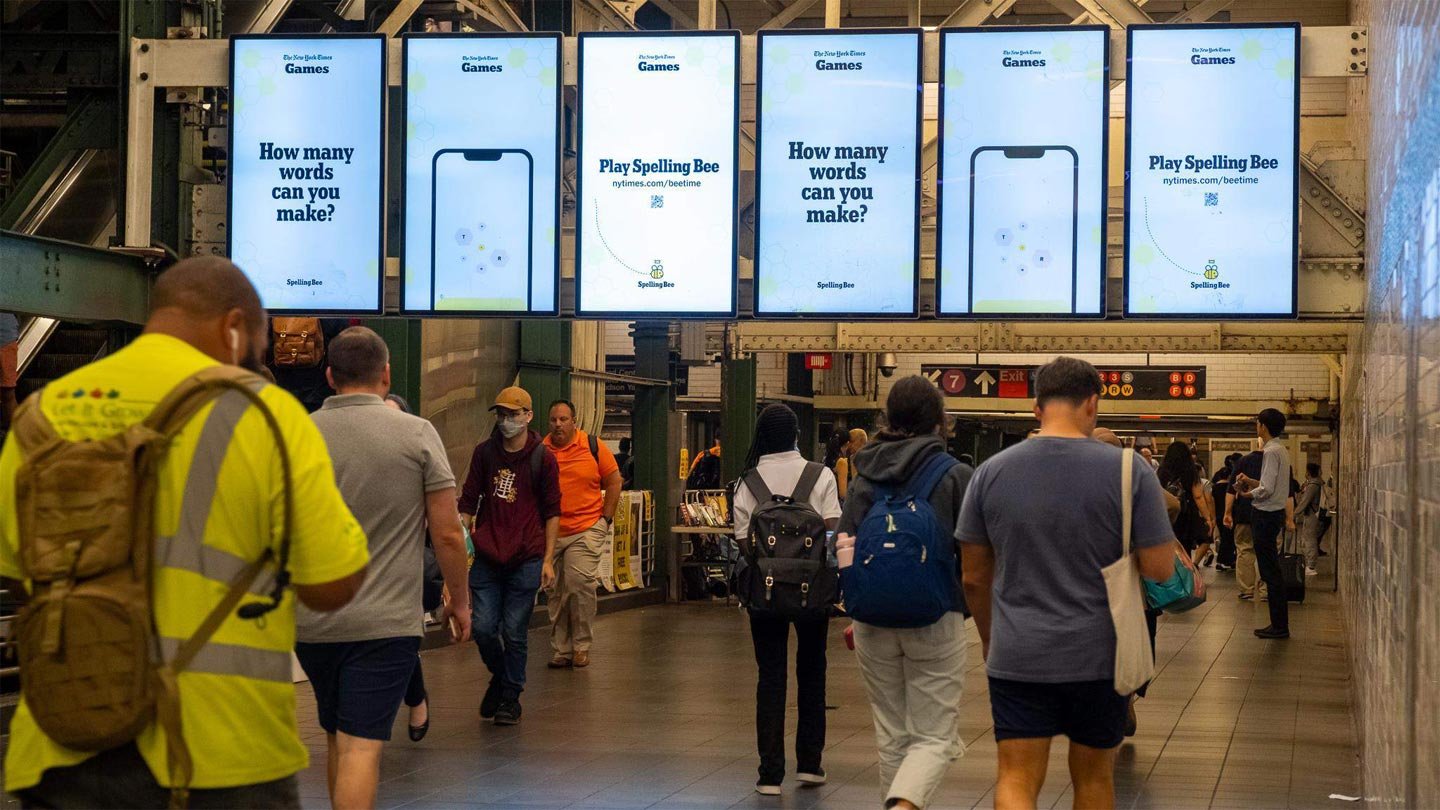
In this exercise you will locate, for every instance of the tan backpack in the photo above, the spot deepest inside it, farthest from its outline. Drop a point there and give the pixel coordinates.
(90, 667)
(297, 342)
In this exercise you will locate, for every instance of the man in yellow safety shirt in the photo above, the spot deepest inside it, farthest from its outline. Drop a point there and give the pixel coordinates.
(218, 507)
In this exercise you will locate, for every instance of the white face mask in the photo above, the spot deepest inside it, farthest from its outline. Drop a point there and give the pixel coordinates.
(512, 427)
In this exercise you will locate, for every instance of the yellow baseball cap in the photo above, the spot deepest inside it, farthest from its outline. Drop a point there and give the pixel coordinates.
(515, 398)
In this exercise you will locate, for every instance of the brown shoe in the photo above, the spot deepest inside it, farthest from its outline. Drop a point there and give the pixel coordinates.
(560, 662)
(582, 659)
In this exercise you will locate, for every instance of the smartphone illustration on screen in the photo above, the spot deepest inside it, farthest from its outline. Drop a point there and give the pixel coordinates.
(482, 216)
(1023, 222)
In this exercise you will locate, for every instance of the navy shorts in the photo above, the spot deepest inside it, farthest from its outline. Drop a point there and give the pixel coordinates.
(359, 684)
(1088, 712)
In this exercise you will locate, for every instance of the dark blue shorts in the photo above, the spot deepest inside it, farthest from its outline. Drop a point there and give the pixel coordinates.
(1088, 712)
(359, 684)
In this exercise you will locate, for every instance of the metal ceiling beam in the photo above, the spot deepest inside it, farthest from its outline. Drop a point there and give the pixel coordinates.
(72, 282)
(970, 13)
(1201, 12)
(791, 13)
(612, 17)
(679, 17)
(405, 9)
(254, 17)
(705, 14)
(1321, 337)
(1116, 13)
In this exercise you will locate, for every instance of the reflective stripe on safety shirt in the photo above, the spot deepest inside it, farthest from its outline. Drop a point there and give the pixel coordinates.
(218, 507)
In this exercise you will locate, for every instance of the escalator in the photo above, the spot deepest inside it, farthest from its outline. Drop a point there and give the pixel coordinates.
(77, 204)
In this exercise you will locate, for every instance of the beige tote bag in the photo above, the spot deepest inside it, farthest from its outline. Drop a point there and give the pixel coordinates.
(1134, 664)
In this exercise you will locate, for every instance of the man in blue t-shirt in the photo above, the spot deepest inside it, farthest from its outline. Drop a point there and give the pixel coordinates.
(1039, 523)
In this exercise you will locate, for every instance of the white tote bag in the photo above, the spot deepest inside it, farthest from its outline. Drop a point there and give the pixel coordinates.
(1134, 664)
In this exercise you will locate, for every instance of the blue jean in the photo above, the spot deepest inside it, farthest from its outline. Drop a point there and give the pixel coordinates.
(501, 601)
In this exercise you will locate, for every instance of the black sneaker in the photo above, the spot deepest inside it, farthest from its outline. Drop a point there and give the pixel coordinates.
(1271, 632)
(814, 778)
(491, 701)
(508, 714)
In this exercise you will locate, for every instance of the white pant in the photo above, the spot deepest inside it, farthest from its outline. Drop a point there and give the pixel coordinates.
(914, 679)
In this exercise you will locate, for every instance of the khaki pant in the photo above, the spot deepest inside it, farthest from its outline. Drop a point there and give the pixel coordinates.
(1310, 538)
(914, 678)
(1247, 573)
(572, 598)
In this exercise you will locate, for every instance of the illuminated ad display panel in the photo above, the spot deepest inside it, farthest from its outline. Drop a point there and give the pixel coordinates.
(482, 146)
(306, 161)
(655, 211)
(1022, 189)
(1211, 193)
(838, 182)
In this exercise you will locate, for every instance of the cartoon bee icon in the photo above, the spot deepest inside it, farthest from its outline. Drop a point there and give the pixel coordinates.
(1212, 270)
(657, 269)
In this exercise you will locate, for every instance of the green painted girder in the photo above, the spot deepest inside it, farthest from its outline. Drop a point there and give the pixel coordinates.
(71, 282)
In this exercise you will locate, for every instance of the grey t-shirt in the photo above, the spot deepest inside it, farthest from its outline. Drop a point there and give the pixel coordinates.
(386, 462)
(1050, 509)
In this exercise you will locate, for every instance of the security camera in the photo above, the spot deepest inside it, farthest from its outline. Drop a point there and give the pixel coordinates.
(887, 364)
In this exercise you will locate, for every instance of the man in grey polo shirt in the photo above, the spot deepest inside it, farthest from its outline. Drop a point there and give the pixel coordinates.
(392, 472)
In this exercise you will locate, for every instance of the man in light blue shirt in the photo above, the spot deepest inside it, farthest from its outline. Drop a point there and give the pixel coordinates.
(1267, 499)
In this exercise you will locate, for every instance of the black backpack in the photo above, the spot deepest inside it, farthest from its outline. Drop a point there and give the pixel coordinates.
(788, 574)
(706, 474)
(1190, 526)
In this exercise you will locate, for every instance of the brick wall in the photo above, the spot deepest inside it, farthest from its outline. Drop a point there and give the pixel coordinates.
(1390, 519)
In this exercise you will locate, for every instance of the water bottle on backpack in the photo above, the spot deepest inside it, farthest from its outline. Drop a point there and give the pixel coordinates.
(904, 569)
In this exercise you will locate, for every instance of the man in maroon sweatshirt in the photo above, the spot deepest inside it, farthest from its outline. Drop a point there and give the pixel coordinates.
(511, 502)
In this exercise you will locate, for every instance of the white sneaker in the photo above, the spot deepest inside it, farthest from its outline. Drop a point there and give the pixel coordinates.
(767, 790)
(811, 779)
(1310, 572)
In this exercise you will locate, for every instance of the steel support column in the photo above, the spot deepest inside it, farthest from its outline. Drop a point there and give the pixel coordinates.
(799, 381)
(544, 365)
(655, 454)
(737, 413)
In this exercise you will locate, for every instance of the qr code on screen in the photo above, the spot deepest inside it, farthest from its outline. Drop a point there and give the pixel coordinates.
(1212, 198)
(658, 201)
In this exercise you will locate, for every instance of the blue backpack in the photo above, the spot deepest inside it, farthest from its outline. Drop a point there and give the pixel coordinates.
(904, 569)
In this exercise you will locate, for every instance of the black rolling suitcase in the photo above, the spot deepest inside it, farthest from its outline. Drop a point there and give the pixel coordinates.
(1292, 569)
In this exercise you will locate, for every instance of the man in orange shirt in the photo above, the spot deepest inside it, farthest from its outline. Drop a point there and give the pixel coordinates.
(589, 492)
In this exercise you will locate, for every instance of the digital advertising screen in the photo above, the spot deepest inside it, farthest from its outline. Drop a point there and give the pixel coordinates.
(1022, 172)
(482, 147)
(655, 211)
(1211, 152)
(306, 164)
(838, 180)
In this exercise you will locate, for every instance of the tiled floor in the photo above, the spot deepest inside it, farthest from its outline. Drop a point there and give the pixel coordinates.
(664, 718)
